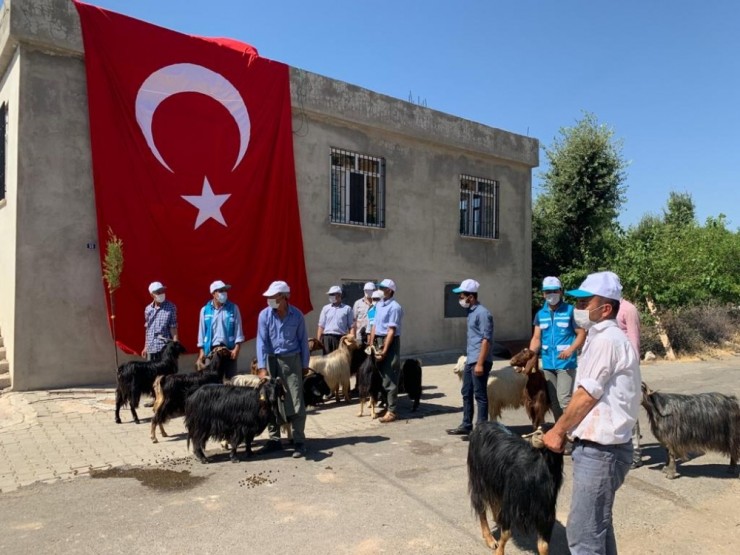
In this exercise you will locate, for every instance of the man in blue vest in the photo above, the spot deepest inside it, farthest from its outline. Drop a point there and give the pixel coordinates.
(557, 338)
(220, 325)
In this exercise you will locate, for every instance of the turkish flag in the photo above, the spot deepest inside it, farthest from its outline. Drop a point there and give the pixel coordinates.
(193, 169)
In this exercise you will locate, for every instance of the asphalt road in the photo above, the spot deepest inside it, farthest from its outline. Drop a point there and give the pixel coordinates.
(399, 488)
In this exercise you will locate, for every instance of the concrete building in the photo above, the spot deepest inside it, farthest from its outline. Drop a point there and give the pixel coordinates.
(386, 188)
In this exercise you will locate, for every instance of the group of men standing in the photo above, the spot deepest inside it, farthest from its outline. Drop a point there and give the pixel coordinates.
(282, 341)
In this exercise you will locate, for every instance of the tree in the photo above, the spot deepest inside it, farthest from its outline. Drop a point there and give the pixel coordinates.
(112, 270)
(680, 210)
(574, 219)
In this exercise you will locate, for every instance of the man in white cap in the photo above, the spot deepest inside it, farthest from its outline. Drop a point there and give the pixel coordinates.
(361, 308)
(220, 324)
(282, 351)
(386, 336)
(160, 322)
(376, 297)
(335, 320)
(479, 357)
(600, 416)
(556, 338)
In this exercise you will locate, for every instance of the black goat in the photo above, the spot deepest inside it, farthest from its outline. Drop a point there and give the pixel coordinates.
(516, 481)
(369, 382)
(171, 392)
(314, 389)
(137, 377)
(230, 413)
(694, 423)
(411, 380)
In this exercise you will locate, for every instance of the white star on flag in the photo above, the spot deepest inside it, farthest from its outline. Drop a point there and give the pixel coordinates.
(208, 205)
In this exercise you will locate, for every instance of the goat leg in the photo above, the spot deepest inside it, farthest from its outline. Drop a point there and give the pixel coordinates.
(505, 536)
(362, 407)
(486, 531)
(153, 431)
(670, 469)
(119, 403)
(248, 447)
(543, 546)
(345, 390)
(161, 430)
(134, 403)
(372, 404)
(234, 442)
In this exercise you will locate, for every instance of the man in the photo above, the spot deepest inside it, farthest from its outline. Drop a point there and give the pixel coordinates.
(386, 336)
(220, 324)
(335, 320)
(360, 310)
(558, 339)
(479, 357)
(282, 351)
(600, 416)
(160, 323)
(376, 297)
(628, 320)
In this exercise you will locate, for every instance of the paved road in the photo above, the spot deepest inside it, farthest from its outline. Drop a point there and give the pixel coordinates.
(365, 487)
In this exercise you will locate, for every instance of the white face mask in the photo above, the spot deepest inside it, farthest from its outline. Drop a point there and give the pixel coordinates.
(464, 303)
(272, 303)
(552, 299)
(583, 317)
(159, 298)
(368, 294)
(221, 297)
(333, 299)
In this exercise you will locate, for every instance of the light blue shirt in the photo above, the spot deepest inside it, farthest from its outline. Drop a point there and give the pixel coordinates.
(480, 327)
(388, 314)
(219, 323)
(336, 319)
(281, 337)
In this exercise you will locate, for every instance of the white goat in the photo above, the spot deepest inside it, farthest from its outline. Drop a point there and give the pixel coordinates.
(246, 380)
(335, 367)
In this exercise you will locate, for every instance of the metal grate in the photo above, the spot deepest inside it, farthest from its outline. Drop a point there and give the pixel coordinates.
(478, 207)
(357, 189)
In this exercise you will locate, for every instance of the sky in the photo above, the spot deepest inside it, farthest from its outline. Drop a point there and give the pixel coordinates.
(664, 76)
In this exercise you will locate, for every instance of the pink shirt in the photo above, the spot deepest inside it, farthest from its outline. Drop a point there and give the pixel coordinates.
(628, 320)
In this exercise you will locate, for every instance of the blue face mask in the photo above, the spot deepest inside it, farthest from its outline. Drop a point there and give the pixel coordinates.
(221, 297)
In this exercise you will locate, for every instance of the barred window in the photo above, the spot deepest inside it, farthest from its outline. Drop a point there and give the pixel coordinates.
(357, 189)
(478, 207)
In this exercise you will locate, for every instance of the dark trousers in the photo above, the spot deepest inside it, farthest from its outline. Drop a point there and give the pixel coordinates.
(474, 390)
(390, 370)
(331, 342)
(154, 357)
(228, 364)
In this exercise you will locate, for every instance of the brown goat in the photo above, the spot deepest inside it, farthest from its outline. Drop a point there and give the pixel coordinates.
(536, 401)
(316, 345)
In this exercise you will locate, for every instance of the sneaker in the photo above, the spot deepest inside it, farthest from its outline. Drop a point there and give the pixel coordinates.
(636, 463)
(389, 417)
(300, 451)
(459, 431)
(271, 446)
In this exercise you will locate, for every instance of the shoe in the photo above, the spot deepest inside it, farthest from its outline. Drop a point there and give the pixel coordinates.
(389, 417)
(636, 463)
(149, 404)
(459, 431)
(300, 451)
(271, 446)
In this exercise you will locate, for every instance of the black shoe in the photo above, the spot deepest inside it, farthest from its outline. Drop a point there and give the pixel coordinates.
(271, 446)
(299, 451)
(459, 431)
(636, 463)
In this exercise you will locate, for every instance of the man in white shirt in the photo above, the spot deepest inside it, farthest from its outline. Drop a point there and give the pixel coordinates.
(600, 416)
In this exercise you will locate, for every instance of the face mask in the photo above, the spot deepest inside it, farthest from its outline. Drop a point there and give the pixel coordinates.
(272, 303)
(368, 294)
(552, 299)
(221, 297)
(159, 298)
(464, 303)
(333, 299)
(583, 317)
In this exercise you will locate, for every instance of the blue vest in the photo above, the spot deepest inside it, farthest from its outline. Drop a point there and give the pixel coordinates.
(558, 333)
(208, 314)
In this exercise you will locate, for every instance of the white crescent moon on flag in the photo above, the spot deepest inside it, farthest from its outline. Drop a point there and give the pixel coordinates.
(180, 78)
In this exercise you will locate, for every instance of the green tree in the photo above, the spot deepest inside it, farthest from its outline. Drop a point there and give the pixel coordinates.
(680, 210)
(574, 219)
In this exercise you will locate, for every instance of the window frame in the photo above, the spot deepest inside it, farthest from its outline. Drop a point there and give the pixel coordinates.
(471, 221)
(343, 188)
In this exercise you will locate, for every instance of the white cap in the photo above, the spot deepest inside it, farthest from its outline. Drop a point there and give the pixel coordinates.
(334, 290)
(369, 286)
(551, 283)
(467, 286)
(388, 284)
(377, 294)
(218, 284)
(276, 287)
(156, 286)
(601, 284)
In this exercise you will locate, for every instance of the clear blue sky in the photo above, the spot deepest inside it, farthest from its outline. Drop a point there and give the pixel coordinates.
(664, 75)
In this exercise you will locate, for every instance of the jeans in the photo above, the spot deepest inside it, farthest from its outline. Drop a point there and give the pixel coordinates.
(559, 389)
(289, 369)
(598, 472)
(474, 388)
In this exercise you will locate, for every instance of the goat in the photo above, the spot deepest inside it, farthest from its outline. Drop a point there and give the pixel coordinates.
(315, 344)
(536, 400)
(314, 389)
(246, 380)
(411, 380)
(230, 413)
(335, 367)
(694, 423)
(517, 480)
(137, 377)
(253, 369)
(171, 392)
(369, 382)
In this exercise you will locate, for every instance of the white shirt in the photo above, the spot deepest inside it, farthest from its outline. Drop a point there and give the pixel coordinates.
(609, 370)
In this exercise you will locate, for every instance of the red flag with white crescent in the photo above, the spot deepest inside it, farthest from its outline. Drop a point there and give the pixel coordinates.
(193, 169)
